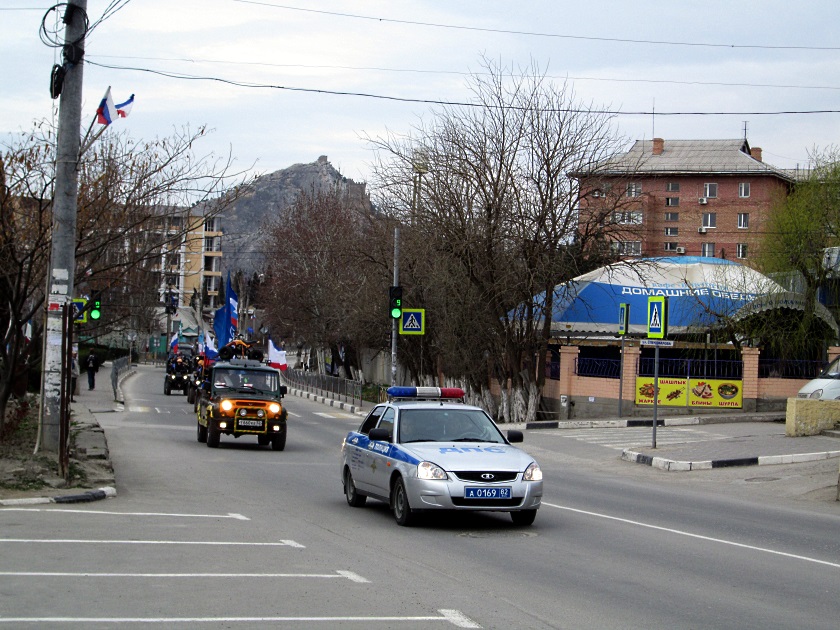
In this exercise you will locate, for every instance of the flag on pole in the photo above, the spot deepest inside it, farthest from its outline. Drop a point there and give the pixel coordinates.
(226, 318)
(276, 356)
(210, 349)
(108, 112)
(173, 344)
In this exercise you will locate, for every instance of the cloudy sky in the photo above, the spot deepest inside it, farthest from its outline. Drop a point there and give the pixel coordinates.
(282, 82)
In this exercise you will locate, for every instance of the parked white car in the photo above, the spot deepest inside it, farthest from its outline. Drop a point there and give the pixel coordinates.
(826, 386)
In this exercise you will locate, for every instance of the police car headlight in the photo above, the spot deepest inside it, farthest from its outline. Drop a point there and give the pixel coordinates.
(428, 470)
(533, 472)
(226, 405)
(817, 393)
(274, 408)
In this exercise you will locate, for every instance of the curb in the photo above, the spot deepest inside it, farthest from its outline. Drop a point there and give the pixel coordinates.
(86, 497)
(670, 465)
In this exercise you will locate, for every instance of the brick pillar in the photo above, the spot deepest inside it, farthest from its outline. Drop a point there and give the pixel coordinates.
(568, 355)
(749, 386)
(833, 353)
(629, 367)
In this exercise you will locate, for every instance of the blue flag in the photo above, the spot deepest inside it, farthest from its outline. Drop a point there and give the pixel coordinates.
(226, 318)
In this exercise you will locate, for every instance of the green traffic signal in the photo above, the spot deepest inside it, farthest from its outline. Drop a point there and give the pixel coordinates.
(95, 310)
(395, 295)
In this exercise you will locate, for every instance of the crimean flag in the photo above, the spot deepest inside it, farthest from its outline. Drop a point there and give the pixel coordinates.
(276, 357)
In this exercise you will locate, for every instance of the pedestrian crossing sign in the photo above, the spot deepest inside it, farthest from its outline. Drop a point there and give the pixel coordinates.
(657, 317)
(413, 321)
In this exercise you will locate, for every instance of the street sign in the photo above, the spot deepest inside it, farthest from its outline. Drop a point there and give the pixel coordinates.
(623, 318)
(656, 343)
(413, 321)
(80, 315)
(657, 319)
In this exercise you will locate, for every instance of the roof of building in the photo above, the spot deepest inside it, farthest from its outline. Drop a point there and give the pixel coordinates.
(687, 157)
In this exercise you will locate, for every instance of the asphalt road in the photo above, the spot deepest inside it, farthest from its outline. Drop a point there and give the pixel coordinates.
(245, 537)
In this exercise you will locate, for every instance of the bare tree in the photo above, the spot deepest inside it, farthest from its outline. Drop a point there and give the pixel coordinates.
(135, 202)
(498, 203)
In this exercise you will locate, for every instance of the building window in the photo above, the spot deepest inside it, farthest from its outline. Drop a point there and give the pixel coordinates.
(672, 216)
(707, 250)
(672, 231)
(744, 190)
(627, 218)
(672, 187)
(741, 250)
(710, 191)
(672, 202)
(743, 220)
(627, 248)
(709, 219)
(634, 189)
(671, 247)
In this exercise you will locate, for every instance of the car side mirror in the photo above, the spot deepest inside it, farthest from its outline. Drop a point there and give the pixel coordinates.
(515, 436)
(283, 390)
(380, 435)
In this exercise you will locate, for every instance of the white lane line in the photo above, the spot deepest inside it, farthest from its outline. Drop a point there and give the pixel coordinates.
(324, 414)
(697, 536)
(220, 543)
(348, 575)
(454, 617)
(294, 415)
(238, 517)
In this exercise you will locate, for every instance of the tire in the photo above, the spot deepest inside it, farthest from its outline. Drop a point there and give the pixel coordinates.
(190, 395)
(523, 517)
(226, 353)
(354, 499)
(263, 440)
(202, 432)
(167, 388)
(255, 354)
(403, 513)
(213, 437)
(278, 441)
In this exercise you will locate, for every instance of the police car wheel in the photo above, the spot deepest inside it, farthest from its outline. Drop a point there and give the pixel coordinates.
(403, 513)
(523, 517)
(354, 499)
(202, 432)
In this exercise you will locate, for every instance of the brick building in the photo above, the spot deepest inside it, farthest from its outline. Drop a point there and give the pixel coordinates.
(691, 197)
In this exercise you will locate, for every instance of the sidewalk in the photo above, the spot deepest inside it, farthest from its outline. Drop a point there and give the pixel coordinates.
(90, 453)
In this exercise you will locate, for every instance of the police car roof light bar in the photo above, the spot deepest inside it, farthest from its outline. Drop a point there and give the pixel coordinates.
(425, 392)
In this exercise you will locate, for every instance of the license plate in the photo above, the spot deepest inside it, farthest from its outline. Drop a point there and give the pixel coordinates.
(486, 493)
(250, 423)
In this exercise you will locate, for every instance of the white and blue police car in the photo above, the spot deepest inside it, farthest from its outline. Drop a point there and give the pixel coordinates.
(426, 450)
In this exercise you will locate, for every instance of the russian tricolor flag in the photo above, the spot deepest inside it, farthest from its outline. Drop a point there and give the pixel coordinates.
(173, 344)
(107, 112)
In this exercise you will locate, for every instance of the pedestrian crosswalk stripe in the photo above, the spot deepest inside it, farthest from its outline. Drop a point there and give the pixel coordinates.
(621, 438)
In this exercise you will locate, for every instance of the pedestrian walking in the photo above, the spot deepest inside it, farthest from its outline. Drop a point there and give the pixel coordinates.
(92, 367)
(74, 375)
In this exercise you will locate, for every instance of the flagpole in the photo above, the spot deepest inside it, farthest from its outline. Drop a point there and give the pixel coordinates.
(85, 144)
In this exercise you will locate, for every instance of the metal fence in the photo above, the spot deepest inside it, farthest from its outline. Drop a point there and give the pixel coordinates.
(118, 367)
(342, 389)
(782, 368)
(692, 368)
(602, 368)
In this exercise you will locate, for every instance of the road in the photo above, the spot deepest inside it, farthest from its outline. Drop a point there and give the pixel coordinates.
(245, 537)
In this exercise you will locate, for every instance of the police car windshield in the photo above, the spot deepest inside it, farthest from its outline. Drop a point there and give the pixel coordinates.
(260, 382)
(447, 425)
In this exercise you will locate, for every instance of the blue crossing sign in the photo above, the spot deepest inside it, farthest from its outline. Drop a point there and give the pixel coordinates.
(80, 315)
(657, 319)
(413, 321)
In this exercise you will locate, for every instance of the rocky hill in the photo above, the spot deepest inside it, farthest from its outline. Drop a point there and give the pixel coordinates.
(269, 196)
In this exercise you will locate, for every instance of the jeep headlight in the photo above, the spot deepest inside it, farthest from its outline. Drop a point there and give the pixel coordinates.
(533, 473)
(274, 408)
(428, 470)
(226, 405)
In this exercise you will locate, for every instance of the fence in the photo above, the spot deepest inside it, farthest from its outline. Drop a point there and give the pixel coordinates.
(342, 389)
(118, 367)
(692, 368)
(602, 368)
(781, 368)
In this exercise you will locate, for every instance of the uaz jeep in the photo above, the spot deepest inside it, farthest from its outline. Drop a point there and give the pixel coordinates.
(242, 397)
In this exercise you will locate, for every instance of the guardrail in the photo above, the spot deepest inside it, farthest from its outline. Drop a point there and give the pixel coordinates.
(118, 367)
(342, 389)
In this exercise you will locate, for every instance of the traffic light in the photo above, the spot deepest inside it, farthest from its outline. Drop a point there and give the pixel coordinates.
(395, 295)
(95, 311)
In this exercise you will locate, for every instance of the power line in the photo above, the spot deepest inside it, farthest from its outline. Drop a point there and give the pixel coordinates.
(404, 99)
(536, 33)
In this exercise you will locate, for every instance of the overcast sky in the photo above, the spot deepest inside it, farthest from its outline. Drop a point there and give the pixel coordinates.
(743, 57)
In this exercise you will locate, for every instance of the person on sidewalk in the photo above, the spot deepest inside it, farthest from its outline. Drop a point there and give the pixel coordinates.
(74, 375)
(92, 367)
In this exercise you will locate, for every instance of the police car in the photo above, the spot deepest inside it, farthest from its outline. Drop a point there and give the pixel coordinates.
(426, 450)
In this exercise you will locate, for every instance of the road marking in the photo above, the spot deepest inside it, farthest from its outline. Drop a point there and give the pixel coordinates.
(680, 532)
(323, 414)
(619, 439)
(348, 575)
(454, 617)
(221, 543)
(294, 415)
(158, 409)
(238, 517)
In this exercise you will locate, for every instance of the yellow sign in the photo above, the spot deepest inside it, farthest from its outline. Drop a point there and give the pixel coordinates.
(681, 392)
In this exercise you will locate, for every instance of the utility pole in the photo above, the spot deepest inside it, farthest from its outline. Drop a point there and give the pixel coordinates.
(394, 321)
(63, 256)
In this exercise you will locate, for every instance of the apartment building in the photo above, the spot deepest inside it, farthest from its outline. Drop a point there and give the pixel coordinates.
(685, 197)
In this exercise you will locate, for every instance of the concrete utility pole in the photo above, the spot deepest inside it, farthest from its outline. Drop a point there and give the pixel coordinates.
(63, 257)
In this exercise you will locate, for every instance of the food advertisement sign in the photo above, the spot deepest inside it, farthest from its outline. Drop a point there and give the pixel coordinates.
(681, 392)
